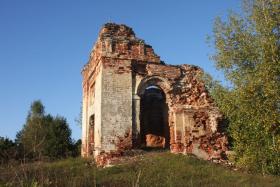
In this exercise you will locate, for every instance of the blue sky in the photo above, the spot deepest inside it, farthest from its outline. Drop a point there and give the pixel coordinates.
(44, 45)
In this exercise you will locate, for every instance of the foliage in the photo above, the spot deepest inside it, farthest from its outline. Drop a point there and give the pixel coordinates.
(76, 148)
(58, 138)
(7, 150)
(44, 135)
(150, 169)
(248, 52)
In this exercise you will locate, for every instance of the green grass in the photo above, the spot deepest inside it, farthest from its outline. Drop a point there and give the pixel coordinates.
(151, 169)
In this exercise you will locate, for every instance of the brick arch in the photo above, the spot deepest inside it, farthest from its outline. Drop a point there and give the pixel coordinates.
(158, 81)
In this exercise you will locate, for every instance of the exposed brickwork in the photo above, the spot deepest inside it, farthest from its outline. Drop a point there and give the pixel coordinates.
(121, 68)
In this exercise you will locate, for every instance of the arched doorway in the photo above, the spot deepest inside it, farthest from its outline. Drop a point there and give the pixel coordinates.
(154, 128)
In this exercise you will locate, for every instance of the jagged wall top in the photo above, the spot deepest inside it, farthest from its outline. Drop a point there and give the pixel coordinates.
(118, 41)
(115, 31)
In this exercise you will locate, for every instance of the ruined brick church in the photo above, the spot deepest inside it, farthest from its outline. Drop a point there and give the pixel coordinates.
(133, 100)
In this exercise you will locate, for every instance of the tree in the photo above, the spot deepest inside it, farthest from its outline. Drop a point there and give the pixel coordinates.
(7, 150)
(59, 142)
(32, 137)
(44, 135)
(76, 148)
(37, 109)
(248, 52)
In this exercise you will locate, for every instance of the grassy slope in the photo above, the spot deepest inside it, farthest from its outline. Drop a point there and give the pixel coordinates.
(151, 169)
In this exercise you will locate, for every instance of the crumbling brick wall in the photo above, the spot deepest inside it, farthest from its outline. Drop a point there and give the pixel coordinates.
(125, 67)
